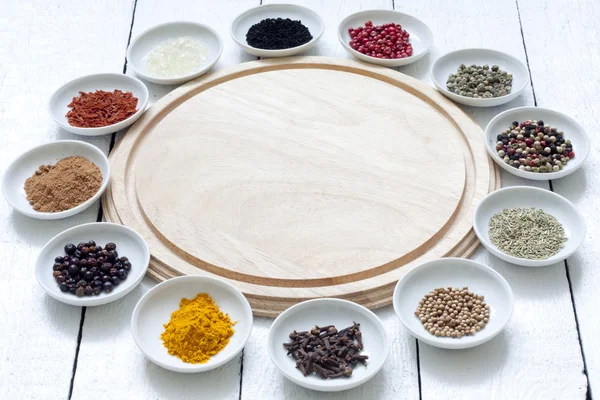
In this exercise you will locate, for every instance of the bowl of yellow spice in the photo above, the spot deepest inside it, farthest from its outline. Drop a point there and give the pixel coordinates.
(192, 323)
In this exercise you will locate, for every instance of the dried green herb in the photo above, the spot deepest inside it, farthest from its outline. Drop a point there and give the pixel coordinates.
(527, 233)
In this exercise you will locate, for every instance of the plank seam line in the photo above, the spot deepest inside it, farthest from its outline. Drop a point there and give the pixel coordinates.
(588, 394)
(241, 374)
(419, 370)
(99, 218)
(526, 54)
(79, 336)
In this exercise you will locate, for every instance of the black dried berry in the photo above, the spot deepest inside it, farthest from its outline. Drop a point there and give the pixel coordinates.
(59, 260)
(115, 280)
(80, 291)
(122, 274)
(108, 287)
(70, 248)
(110, 246)
(57, 267)
(63, 287)
(73, 270)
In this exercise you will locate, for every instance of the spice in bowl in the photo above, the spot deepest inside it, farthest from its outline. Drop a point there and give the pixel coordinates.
(198, 330)
(65, 185)
(527, 233)
(278, 34)
(327, 352)
(381, 41)
(453, 312)
(101, 108)
(175, 58)
(480, 81)
(534, 147)
(88, 269)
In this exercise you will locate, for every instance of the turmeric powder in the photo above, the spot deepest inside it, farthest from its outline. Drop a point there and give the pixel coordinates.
(198, 330)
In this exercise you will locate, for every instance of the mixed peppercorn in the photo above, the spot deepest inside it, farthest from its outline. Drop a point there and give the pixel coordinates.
(381, 41)
(88, 269)
(534, 147)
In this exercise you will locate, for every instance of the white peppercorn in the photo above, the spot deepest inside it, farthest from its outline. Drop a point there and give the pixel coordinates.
(453, 312)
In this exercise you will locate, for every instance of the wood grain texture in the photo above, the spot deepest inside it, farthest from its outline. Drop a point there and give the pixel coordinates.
(119, 370)
(572, 88)
(541, 335)
(374, 291)
(300, 181)
(43, 44)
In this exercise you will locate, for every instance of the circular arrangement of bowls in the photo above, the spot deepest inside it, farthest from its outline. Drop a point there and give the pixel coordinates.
(421, 37)
(455, 272)
(62, 97)
(573, 132)
(449, 63)
(24, 166)
(526, 197)
(248, 18)
(154, 310)
(148, 40)
(129, 243)
(323, 312)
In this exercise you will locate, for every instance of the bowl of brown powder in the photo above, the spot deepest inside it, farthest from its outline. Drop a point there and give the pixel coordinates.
(56, 180)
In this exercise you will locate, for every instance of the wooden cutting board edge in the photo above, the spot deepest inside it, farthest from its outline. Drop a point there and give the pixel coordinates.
(271, 306)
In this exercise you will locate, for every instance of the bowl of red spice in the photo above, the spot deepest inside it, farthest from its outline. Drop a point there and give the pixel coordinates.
(385, 37)
(56, 180)
(98, 104)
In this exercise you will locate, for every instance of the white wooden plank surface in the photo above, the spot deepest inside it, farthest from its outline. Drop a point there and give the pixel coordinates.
(537, 356)
(109, 360)
(43, 43)
(565, 66)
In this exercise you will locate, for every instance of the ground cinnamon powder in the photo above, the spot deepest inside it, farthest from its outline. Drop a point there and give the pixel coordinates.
(60, 187)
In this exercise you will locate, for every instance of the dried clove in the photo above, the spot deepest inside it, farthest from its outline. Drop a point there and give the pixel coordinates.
(327, 352)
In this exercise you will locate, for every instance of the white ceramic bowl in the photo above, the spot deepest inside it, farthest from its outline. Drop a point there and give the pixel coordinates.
(449, 63)
(526, 197)
(573, 132)
(129, 244)
(421, 37)
(26, 164)
(148, 40)
(243, 22)
(455, 272)
(323, 312)
(154, 310)
(57, 107)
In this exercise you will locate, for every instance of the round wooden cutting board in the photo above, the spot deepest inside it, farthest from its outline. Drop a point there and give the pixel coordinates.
(299, 178)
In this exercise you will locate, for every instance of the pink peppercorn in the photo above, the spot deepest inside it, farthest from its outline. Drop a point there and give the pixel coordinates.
(381, 41)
